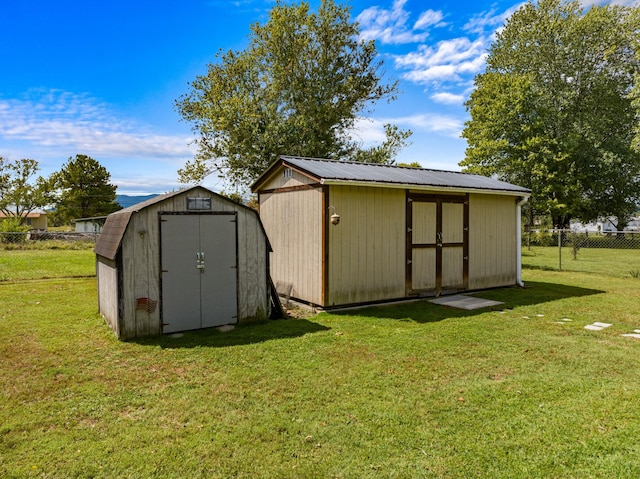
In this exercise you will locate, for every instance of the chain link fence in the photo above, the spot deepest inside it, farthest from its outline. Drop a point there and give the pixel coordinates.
(615, 253)
(46, 255)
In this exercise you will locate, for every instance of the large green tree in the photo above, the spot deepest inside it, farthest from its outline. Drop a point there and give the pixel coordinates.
(297, 89)
(553, 110)
(83, 190)
(20, 192)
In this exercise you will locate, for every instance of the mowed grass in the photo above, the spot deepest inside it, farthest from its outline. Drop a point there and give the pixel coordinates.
(607, 262)
(412, 390)
(29, 264)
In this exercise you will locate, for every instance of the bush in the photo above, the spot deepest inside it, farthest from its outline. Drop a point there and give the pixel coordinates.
(11, 231)
(541, 238)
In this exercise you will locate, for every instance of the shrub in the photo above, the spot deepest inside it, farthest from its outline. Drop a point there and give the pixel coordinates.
(11, 231)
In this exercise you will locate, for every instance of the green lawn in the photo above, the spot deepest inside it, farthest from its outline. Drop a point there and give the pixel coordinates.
(414, 390)
(607, 262)
(28, 264)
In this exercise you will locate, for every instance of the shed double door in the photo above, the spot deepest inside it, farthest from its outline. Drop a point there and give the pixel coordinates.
(437, 244)
(199, 270)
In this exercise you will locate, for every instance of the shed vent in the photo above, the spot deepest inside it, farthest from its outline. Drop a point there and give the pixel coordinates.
(198, 204)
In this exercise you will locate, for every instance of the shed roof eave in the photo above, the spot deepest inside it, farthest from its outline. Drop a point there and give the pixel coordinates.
(408, 186)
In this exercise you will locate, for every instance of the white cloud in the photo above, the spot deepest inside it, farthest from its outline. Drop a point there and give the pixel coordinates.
(628, 3)
(446, 125)
(490, 20)
(390, 26)
(370, 131)
(448, 98)
(448, 60)
(428, 19)
(75, 123)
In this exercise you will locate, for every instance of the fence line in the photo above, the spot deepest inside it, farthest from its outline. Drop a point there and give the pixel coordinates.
(575, 250)
(44, 255)
(22, 237)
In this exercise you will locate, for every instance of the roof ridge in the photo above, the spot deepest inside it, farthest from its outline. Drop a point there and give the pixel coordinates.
(361, 163)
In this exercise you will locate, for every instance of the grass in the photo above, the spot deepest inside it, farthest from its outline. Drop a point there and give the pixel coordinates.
(412, 390)
(29, 264)
(604, 262)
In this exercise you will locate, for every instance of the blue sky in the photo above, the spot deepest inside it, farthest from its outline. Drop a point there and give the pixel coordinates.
(100, 78)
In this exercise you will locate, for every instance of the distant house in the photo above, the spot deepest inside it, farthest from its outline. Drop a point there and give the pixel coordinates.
(36, 220)
(90, 225)
(353, 233)
(605, 225)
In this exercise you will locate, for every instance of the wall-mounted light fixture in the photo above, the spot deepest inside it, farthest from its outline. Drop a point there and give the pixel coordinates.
(335, 218)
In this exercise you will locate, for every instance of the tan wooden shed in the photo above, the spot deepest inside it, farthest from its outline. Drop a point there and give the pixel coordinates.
(354, 233)
(185, 260)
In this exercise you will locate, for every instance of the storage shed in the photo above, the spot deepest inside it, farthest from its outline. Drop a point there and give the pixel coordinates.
(185, 260)
(353, 233)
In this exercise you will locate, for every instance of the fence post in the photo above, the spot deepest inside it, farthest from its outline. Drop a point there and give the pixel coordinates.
(560, 249)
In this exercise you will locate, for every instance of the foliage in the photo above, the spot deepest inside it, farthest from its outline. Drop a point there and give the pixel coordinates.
(413, 164)
(234, 196)
(83, 190)
(576, 240)
(12, 231)
(552, 111)
(412, 390)
(297, 89)
(541, 238)
(19, 195)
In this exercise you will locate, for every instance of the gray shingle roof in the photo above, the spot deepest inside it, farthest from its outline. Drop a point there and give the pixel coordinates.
(109, 240)
(331, 171)
(114, 227)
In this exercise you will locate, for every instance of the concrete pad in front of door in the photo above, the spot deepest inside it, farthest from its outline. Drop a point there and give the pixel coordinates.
(462, 301)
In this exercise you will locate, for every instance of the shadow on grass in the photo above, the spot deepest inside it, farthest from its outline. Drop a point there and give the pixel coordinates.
(249, 333)
(423, 311)
(535, 292)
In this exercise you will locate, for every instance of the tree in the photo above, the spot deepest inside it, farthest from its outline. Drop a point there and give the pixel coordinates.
(297, 89)
(413, 164)
(19, 195)
(553, 110)
(83, 190)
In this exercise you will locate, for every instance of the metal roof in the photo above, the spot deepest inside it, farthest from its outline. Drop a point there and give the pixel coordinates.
(343, 172)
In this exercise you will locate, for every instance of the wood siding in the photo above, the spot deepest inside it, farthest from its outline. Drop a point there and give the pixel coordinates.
(293, 221)
(279, 180)
(107, 274)
(366, 251)
(141, 276)
(492, 241)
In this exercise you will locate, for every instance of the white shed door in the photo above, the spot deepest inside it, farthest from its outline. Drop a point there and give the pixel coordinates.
(199, 271)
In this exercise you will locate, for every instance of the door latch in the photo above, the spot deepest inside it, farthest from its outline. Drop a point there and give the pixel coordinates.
(200, 261)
